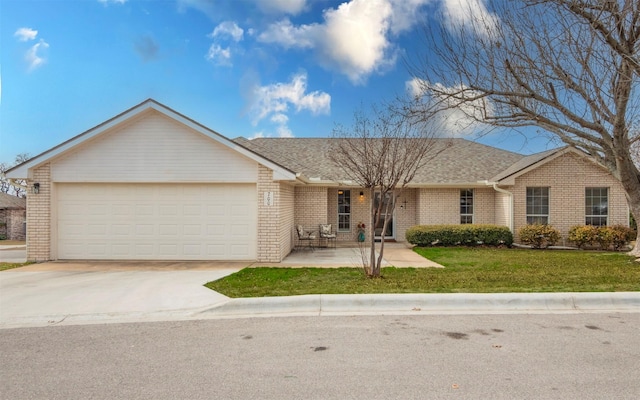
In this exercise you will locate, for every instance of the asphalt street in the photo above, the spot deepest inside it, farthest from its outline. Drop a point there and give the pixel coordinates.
(542, 356)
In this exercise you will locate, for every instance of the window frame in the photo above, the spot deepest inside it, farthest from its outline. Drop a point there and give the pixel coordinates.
(466, 204)
(344, 210)
(589, 204)
(543, 201)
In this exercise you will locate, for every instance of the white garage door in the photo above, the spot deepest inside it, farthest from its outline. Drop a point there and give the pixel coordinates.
(157, 221)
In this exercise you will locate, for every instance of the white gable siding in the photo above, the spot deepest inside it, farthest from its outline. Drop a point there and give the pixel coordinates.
(153, 148)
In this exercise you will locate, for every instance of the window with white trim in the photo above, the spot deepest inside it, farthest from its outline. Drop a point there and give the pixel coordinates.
(344, 210)
(537, 205)
(466, 206)
(596, 206)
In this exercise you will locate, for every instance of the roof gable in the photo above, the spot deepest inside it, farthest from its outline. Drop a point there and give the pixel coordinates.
(22, 170)
(529, 163)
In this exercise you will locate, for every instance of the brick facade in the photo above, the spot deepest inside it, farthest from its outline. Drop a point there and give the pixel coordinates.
(12, 223)
(567, 177)
(39, 216)
(269, 241)
(287, 219)
(289, 205)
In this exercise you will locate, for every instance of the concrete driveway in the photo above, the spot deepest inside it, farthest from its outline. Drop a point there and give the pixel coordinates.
(50, 293)
(106, 291)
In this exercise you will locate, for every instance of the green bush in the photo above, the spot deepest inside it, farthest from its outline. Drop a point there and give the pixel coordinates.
(621, 235)
(459, 235)
(604, 236)
(582, 235)
(539, 236)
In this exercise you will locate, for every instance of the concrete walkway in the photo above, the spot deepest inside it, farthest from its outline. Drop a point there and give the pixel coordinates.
(398, 255)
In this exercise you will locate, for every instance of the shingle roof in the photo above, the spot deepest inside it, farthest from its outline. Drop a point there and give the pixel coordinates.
(524, 163)
(9, 201)
(459, 161)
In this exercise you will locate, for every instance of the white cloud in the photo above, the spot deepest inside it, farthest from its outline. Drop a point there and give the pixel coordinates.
(288, 36)
(26, 34)
(354, 38)
(228, 29)
(219, 56)
(279, 118)
(33, 56)
(112, 1)
(467, 14)
(276, 98)
(292, 7)
(455, 119)
(274, 102)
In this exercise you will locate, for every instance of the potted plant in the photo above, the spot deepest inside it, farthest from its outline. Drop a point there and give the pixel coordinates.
(361, 227)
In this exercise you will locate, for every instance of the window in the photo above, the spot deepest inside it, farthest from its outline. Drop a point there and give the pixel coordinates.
(466, 206)
(596, 206)
(537, 205)
(344, 210)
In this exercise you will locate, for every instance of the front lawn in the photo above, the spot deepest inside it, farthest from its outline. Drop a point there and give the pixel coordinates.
(5, 265)
(468, 270)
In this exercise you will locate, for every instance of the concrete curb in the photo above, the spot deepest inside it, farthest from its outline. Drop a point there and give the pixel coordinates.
(459, 303)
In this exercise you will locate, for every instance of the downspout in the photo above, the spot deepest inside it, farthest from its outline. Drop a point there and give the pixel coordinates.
(508, 193)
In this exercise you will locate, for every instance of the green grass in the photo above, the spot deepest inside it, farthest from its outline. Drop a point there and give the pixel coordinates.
(5, 266)
(468, 270)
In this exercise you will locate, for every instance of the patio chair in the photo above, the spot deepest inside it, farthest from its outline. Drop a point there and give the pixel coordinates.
(327, 234)
(303, 235)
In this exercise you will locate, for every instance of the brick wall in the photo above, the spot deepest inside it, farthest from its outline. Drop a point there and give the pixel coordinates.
(39, 216)
(442, 206)
(310, 207)
(12, 223)
(405, 215)
(567, 177)
(269, 242)
(502, 209)
(438, 206)
(287, 210)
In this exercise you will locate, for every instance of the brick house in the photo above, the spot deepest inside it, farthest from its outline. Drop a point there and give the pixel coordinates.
(13, 211)
(153, 184)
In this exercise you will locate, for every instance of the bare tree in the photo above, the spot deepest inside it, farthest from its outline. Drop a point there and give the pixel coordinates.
(381, 152)
(570, 67)
(14, 188)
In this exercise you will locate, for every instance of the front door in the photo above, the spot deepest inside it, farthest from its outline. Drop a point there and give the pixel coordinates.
(390, 232)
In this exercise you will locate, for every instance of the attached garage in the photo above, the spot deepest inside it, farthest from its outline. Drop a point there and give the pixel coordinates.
(156, 221)
(152, 184)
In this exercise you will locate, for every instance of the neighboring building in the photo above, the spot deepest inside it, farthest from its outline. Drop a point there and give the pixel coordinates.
(153, 184)
(13, 213)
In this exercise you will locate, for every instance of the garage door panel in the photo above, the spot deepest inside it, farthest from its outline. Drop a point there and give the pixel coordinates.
(157, 221)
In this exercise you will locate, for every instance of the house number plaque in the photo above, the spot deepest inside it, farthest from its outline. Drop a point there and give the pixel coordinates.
(268, 198)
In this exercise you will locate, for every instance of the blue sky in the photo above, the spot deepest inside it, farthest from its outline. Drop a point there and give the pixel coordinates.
(243, 68)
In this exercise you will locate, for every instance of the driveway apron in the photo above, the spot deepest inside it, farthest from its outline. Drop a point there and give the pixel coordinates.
(51, 293)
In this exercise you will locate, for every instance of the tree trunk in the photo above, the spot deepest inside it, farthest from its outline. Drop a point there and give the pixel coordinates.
(634, 207)
(630, 180)
(372, 232)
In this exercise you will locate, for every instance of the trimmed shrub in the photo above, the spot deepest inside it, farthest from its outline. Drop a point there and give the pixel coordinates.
(621, 235)
(582, 235)
(539, 236)
(459, 235)
(605, 237)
